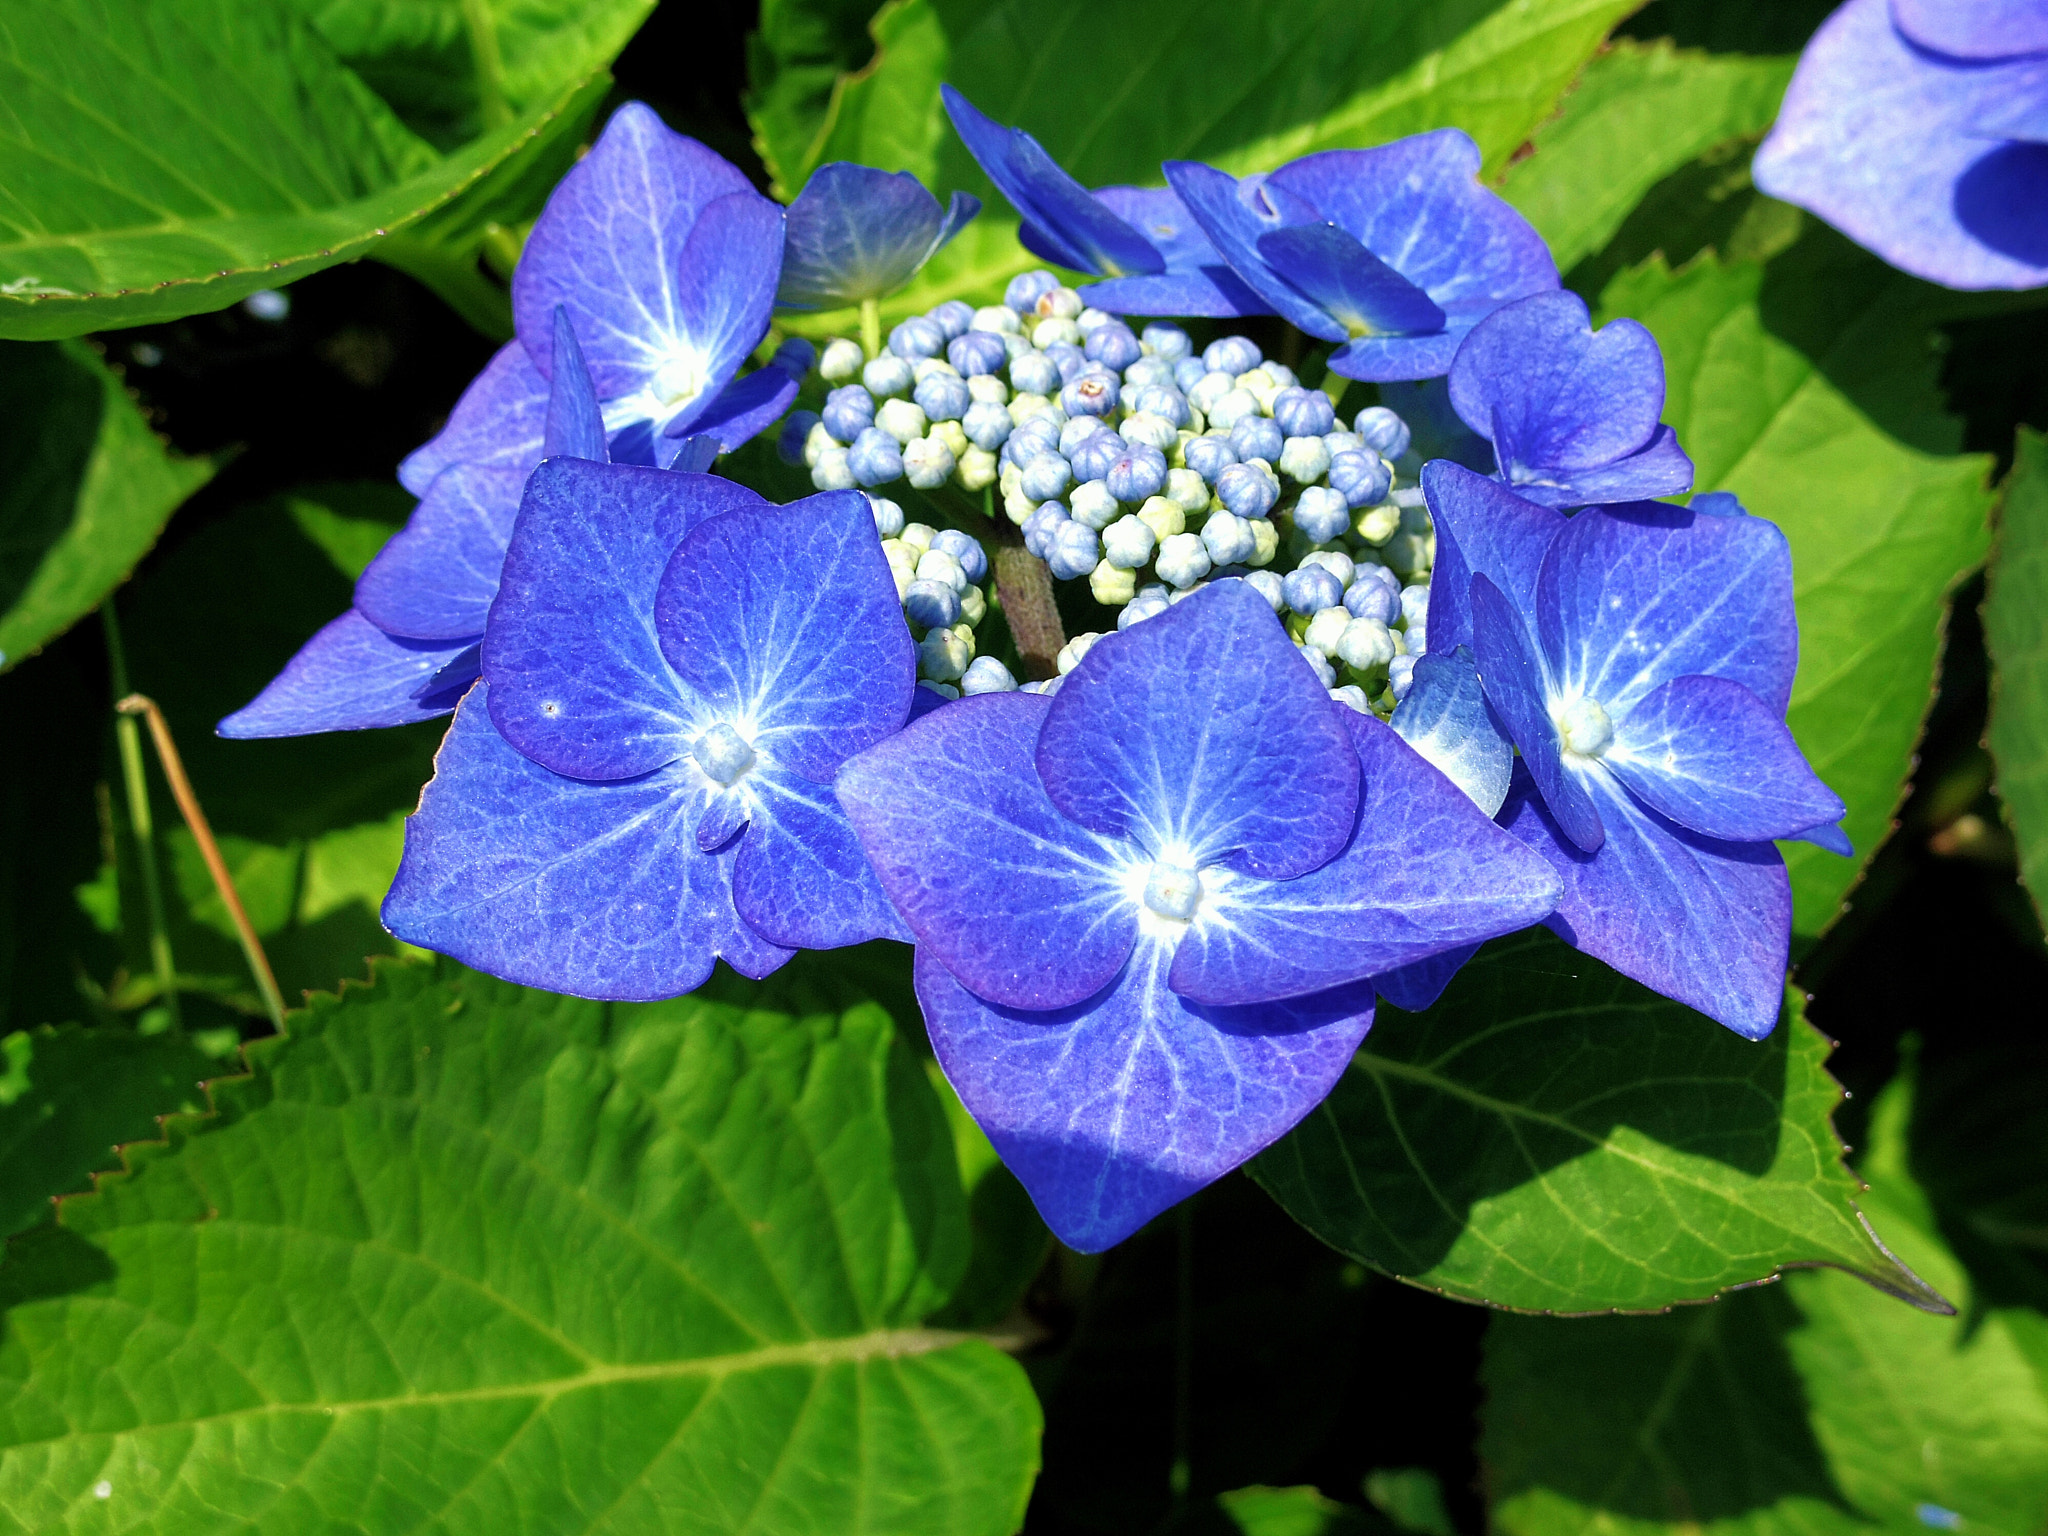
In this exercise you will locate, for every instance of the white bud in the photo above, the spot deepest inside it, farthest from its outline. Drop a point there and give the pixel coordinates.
(1027, 405)
(918, 536)
(1112, 585)
(1128, 543)
(1268, 586)
(1324, 630)
(887, 375)
(1265, 541)
(831, 472)
(1163, 517)
(987, 675)
(1046, 332)
(902, 420)
(987, 389)
(1060, 303)
(1378, 524)
(1304, 459)
(1187, 490)
(1352, 697)
(937, 565)
(1071, 653)
(1325, 673)
(888, 516)
(925, 367)
(1093, 505)
(973, 607)
(1209, 388)
(975, 469)
(1183, 560)
(1152, 430)
(942, 656)
(927, 463)
(1336, 562)
(1228, 538)
(1260, 385)
(1283, 377)
(999, 318)
(1365, 643)
(952, 435)
(841, 360)
(1231, 407)
(1091, 317)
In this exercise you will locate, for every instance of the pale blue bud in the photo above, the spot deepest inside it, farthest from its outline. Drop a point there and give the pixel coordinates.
(931, 604)
(888, 375)
(1046, 476)
(1321, 514)
(1269, 586)
(985, 674)
(1312, 589)
(1073, 550)
(1384, 432)
(1232, 355)
(1167, 341)
(953, 316)
(1304, 412)
(1228, 539)
(1249, 490)
(987, 424)
(943, 396)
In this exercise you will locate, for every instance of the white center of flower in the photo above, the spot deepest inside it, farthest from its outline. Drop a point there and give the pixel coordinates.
(723, 753)
(678, 381)
(1583, 727)
(1173, 891)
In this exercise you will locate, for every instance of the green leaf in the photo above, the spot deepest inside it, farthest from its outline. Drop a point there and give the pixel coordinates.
(1638, 113)
(466, 1255)
(794, 60)
(1262, 86)
(1010, 1240)
(87, 489)
(2016, 634)
(1300, 1511)
(69, 1095)
(1814, 1407)
(163, 160)
(1554, 1137)
(1807, 385)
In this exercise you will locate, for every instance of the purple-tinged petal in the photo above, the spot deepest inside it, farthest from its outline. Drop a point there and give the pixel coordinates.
(727, 296)
(802, 879)
(609, 247)
(1090, 238)
(1023, 905)
(350, 677)
(597, 890)
(1713, 757)
(788, 618)
(1425, 871)
(857, 233)
(1877, 137)
(436, 577)
(1416, 987)
(1115, 1110)
(1482, 529)
(1202, 735)
(1446, 719)
(1661, 469)
(1704, 922)
(1519, 692)
(1234, 215)
(1635, 595)
(1350, 284)
(1974, 29)
(575, 425)
(742, 409)
(579, 681)
(499, 423)
(1214, 291)
(1536, 374)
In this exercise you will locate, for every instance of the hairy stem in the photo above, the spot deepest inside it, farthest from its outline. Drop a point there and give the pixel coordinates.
(136, 784)
(1025, 586)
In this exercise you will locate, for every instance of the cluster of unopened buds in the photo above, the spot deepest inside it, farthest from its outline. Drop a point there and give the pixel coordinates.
(1358, 714)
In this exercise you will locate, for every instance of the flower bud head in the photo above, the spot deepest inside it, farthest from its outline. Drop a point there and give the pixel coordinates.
(1128, 543)
(1232, 355)
(1183, 560)
(842, 360)
(888, 375)
(888, 516)
(1321, 514)
(1304, 460)
(1228, 539)
(1026, 288)
(931, 604)
(1383, 431)
(1073, 550)
(985, 674)
(1167, 341)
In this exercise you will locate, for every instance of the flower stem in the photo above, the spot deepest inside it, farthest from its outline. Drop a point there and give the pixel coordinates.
(1025, 586)
(871, 326)
(173, 766)
(136, 784)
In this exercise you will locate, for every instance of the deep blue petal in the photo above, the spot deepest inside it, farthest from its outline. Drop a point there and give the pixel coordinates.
(1234, 216)
(1705, 922)
(351, 676)
(855, 233)
(498, 423)
(727, 295)
(742, 409)
(575, 425)
(1350, 284)
(1163, 219)
(1832, 838)
(1635, 595)
(693, 455)
(1115, 1110)
(1399, 359)
(1215, 290)
(802, 879)
(1022, 904)
(787, 618)
(598, 890)
(1520, 694)
(1446, 718)
(1425, 871)
(1482, 529)
(1661, 469)
(1710, 755)
(579, 683)
(1416, 987)
(1202, 733)
(436, 577)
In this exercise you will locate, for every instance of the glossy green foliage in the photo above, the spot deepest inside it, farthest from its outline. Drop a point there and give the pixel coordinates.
(2016, 630)
(86, 490)
(465, 1254)
(1330, 76)
(1553, 1137)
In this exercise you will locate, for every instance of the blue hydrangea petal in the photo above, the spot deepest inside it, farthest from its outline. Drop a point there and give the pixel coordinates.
(1023, 905)
(1832, 838)
(1163, 219)
(1226, 210)
(1519, 692)
(743, 409)
(597, 890)
(1445, 718)
(1707, 923)
(1635, 595)
(1215, 291)
(1482, 528)
(574, 425)
(1117, 1109)
(610, 248)
(694, 455)
(727, 294)
(1660, 469)
(498, 423)
(802, 879)
(1710, 755)
(1425, 871)
(1351, 285)
(351, 676)
(1202, 730)
(579, 681)
(1877, 137)
(1974, 29)
(1084, 234)
(1399, 359)
(1416, 987)
(436, 577)
(787, 617)
(855, 233)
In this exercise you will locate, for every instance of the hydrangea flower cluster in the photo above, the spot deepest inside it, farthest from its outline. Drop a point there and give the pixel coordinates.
(1358, 712)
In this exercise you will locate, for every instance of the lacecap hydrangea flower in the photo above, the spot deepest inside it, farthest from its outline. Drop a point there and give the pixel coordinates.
(1916, 127)
(1147, 941)
(673, 672)
(855, 233)
(1641, 658)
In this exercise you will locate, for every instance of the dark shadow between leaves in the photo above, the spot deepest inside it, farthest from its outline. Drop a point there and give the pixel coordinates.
(50, 413)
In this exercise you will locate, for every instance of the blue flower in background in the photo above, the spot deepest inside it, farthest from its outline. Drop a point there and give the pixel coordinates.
(1919, 128)
(1641, 657)
(674, 671)
(1395, 252)
(1147, 937)
(1571, 412)
(855, 233)
(1154, 256)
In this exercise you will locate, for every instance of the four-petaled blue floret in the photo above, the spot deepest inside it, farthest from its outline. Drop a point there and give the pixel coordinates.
(856, 234)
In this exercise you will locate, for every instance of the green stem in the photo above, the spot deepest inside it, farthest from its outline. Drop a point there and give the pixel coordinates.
(482, 26)
(128, 736)
(871, 326)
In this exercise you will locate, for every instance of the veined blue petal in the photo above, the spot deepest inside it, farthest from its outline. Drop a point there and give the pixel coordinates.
(1483, 529)
(1446, 719)
(742, 409)
(1214, 290)
(1974, 29)
(1350, 284)
(857, 233)
(727, 296)
(802, 879)
(1225, 209)
(498, 423)
(575, 425)
(1660, 469)
(436, 577)
(1520, 692)
(1118, 1108)
(351, 676)
(1416, 987)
